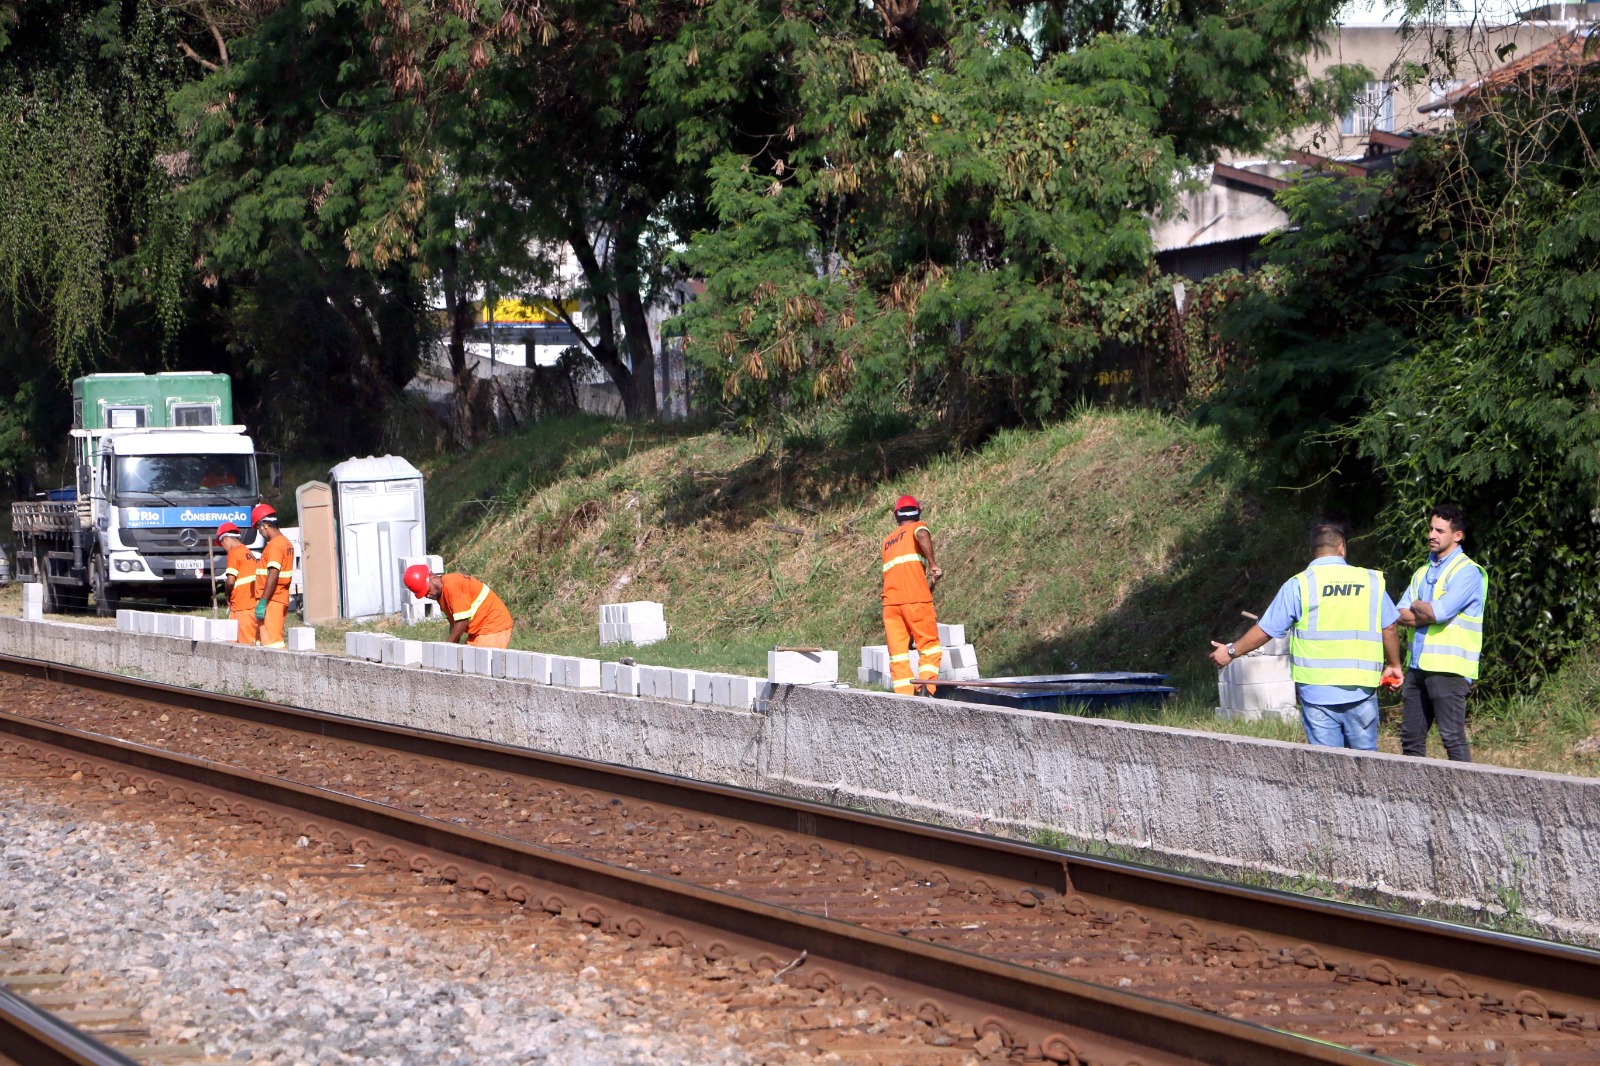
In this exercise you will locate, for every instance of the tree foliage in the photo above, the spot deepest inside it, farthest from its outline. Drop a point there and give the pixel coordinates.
(945, 207)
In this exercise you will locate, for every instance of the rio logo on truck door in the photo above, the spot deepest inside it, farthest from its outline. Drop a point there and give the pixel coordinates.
(148, 517)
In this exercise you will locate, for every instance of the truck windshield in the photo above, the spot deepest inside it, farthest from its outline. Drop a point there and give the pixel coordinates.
(176, 476)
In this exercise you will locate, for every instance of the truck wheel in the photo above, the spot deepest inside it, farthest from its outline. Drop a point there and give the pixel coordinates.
(106, 596)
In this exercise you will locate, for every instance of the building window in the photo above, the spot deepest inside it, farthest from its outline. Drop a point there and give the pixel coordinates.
(1372, 109)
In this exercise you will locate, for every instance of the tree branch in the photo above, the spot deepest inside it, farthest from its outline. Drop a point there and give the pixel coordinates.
(196, 56)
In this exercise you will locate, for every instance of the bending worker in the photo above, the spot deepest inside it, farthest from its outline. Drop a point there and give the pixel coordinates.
(273, 574)
(1444, 604)
(1343, 643)
(909, 575)
(239, 580)
(473, 609)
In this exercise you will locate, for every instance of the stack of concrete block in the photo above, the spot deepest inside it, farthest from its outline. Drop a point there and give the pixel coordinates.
(184, 626)
(959, 661)
(368, 646)
(639, 622)
(802, 667)
(874, 668)
(33, 601)
(1258, 684)
(304, 638)
(414, 609)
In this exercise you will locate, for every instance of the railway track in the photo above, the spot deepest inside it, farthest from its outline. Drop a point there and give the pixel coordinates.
(1052, 956)
(33, 1036)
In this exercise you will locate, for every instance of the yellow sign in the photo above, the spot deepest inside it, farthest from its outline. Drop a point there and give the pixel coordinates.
(534, 312)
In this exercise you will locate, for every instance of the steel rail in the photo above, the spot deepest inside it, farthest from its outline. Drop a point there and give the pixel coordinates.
(31, 1036)
(1056, 1017)
(1562, 977)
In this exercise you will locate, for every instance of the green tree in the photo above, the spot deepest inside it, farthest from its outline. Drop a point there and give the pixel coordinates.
(93, 252)
(946, 201)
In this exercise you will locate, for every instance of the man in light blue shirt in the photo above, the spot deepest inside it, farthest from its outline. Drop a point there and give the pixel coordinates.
(1336, 643)
(1444, 604)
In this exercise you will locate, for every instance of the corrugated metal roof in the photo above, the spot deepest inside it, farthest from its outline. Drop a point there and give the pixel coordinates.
(374, 468)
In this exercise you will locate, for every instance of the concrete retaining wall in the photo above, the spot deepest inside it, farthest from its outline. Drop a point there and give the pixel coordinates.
(1420, 829)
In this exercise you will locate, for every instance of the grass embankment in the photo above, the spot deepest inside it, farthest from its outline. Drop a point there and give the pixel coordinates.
(1110, 541)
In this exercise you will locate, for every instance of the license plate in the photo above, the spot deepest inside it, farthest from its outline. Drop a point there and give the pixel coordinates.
(197, 565)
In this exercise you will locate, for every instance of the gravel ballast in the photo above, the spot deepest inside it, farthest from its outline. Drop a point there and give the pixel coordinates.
(256, 964)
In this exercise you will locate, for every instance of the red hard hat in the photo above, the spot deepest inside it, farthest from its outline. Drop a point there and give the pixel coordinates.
(907, 503)
(416, 579)
(228, 529)
(262, 510)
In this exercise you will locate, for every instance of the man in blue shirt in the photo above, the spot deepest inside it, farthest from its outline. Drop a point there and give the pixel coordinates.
(1343, 642)
(1444, 604)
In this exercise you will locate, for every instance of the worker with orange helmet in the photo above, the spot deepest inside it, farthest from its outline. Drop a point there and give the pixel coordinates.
(909, 576)
(273, 575)
(239, 581)
(473, 609)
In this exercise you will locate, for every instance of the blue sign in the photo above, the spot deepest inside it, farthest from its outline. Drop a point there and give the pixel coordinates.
(198, 515)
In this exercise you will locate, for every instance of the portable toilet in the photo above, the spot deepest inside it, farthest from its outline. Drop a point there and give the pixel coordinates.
(382, 519)
(317, 566)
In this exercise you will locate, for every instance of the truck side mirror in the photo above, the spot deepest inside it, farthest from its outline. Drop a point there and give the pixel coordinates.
(274, 468)
(84, 488)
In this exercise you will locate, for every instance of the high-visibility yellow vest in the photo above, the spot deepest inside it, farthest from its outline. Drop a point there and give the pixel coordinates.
(1453, 647)
(1338, 638)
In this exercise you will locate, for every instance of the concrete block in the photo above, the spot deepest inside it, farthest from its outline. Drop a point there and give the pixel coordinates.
(875, 657)
(959, 673)
(124, 621)
(224, 631)
(583, 673)
(627, 679)
(744, 693)
(641, 633)
(959, 657)
(352, 645)
(608, 677)
(643, 611)
(802, 667)
(1259, 670)
(683, 686)
(700, 687)
(497, 662)
(721, 689)
(406, 652)
(515, 661)
(539, 668)
(447, 657)
(304, 638)
(608, 632)
(952, 634)
(33, 593)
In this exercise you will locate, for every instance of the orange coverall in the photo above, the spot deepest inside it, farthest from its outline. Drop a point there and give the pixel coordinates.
(908, 614)
(242, 600)
(466, 598)
(278, 554)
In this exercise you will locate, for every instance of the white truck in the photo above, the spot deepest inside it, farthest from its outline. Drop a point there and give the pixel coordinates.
(159, 466)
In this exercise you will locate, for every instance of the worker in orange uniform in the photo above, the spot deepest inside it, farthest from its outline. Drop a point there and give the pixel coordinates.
(273, 574)
(239, 580)
(909, 575)
(473, 609)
